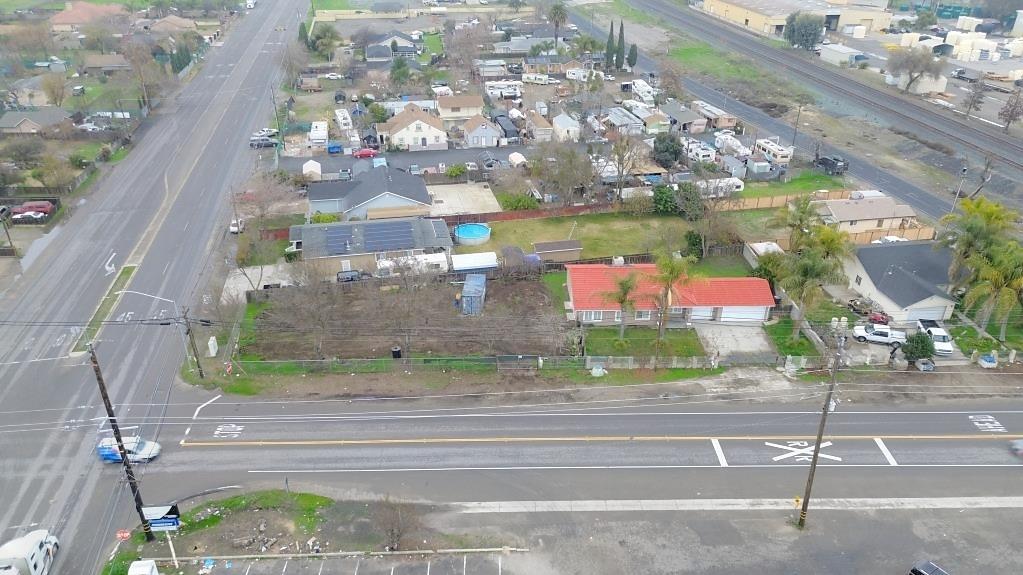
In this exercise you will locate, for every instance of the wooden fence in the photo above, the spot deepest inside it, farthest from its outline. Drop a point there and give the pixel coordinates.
(769, 202)
(863, 238)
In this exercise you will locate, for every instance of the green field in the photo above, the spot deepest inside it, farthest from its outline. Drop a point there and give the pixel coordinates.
(781, 334)
(432, 44)
(642, 342)
(722, 267)
(807, 181)
(331, 5)
(601, 234)
(702, 58)
(622, 9)
(555, 282)
(756, 225)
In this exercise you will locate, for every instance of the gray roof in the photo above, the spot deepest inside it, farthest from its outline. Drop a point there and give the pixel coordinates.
(370, 184)
(907, 272)
(45, 117)
(680, 115)
(622, 117)
(387, 36)
(564, 121)
(378, 51)
(518, 44)
(373, 236)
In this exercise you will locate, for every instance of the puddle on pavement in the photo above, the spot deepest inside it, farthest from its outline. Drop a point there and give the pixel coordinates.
(36, 248)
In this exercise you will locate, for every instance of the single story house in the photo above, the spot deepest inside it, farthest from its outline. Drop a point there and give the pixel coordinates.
(32, 122)
(683, 120)
(623, 121)
(382, 192)
(173, 24)
(394, 38)
(741, 299)
(549, 64)
(866, 214)
(455, 110)
(717, 118)
(105, 64)
(566, 128)
(908, 280)
(414, 130)
(481, 133)
(559, 251)
(654, 122)
(347, 246)
(377, 53)
(76, 15)
(539, 126)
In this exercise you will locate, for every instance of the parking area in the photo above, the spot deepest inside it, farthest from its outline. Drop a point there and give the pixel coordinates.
(736, 343)
(471, 198)
(474, 564)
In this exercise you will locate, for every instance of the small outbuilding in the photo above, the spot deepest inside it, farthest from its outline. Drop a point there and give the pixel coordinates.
(474, 293)
(559, 251)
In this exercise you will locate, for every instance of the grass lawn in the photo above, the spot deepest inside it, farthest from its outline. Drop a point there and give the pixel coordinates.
(781, 334)
(756, 225)
(702, 58)
(807, 181)
(558, 289)
(601, 234)
(332, 5)
(825, 310)
(432, 44)
(622, 9)
(89, 150)
(722, 267)
(640, 342)
(969, 340)
(119, 155)
(104, 97)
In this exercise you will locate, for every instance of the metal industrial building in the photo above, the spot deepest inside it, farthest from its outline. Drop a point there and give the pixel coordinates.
(768, 16)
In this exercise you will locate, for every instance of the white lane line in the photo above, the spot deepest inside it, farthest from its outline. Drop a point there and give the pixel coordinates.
(719, 452)
(884, 450)
(196, 416)
(862, 504)
(629, 467)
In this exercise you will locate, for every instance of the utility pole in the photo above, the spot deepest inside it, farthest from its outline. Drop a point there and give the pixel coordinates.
(959, 190)
(191, 340)
(4, 212)
(840, 336)
(128, 471)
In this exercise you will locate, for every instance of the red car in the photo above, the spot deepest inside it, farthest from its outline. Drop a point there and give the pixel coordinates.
(365, 153)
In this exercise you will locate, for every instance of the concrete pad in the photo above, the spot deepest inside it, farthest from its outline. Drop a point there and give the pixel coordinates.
(736, 342)
(454, 199)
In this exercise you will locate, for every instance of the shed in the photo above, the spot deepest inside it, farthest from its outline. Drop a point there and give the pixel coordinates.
(474, 293)
(473, 262)
(559, 251)
(312, 170)
(839, 55)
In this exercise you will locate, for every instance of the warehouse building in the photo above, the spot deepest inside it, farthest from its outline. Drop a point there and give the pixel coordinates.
(768, 16)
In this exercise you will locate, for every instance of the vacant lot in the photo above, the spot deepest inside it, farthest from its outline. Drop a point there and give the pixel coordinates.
(365, 319)
(806, 181)
(601, 234)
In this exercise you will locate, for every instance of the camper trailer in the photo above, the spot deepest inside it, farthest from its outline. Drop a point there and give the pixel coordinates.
(30, 554)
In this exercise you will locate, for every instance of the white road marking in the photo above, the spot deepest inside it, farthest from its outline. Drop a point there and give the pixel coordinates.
(801, 450)
(195, 416)
(719, 452)
(864, 504)
(629, 467)
(884, 450)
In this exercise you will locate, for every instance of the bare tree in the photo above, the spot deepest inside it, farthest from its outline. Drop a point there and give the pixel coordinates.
(99, 36)
(671, 79)
(294, 60)
(986, 173)
(361, 38)
(915, 63)
(561, 170)
(145, 69)
(397, 520)
(1012, 111)
(465, 45)
(311, 310)
(264, 193)
(626, 154)
(55, 88)
(974, 98)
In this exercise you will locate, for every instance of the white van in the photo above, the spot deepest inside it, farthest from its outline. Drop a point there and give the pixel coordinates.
(30, 554)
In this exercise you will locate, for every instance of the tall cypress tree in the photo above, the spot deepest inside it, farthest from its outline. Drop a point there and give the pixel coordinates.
(633, 56)
(620, 55)
(609, 53)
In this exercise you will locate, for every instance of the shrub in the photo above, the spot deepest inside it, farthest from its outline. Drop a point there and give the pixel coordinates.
(455, 171)
(918, 346)
(321, 218)
(517, 202)
(78, 160)
(104, 154)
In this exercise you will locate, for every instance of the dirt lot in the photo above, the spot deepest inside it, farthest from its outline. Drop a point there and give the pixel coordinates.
(365, 319)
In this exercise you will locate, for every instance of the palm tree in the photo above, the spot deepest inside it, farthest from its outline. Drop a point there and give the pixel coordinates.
(800, 218)
(804, 278)
(557, 16)
(622, 295)
(980, 225)
(999, 285)
(671, 272)
(833, 243)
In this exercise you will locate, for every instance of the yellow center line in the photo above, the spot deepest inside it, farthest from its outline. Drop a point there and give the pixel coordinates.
(578, 439)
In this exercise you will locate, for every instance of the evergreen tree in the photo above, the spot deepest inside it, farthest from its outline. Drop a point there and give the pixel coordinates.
(633, 55)
(303, 34)
(620, 54)
(609, 53)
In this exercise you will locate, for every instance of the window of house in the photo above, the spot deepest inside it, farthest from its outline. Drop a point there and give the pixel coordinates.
(419, 127)
(853, 222)
(591, 315)
(858, 280)
(618, 315)
(643, 315)
(456, 109)
(880, 223)
(401, 140)
(675, 309)
(436, 139)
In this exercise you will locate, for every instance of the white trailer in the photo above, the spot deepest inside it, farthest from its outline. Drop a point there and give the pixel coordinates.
(541, 79)
(30, 554)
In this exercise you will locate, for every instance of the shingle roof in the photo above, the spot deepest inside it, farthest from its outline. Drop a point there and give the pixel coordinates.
(864, 209)
(564, 121)
(378, 51)
(106, 61)
(45, 117)
(407, 117)
(370, 184)
(460, 102)
(477, 121)
(86, 12)
(676, 112)
(398, 234)
(591, 284)
(538, 121)
(907, 272)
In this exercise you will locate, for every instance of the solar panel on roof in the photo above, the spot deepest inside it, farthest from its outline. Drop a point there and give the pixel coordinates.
(339, 239)
(440, 227)
(386, 236)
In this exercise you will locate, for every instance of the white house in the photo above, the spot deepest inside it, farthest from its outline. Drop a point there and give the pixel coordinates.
(455, 110)
(481, 133)
(566, 128)
(413, 130)
(908, 280)
(539, 126)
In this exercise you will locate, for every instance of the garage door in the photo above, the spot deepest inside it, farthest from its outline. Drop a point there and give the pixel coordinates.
(743, 313)
(935, 313)
(702, 313)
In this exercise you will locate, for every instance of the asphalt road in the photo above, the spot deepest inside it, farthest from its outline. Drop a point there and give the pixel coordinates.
(161, 209)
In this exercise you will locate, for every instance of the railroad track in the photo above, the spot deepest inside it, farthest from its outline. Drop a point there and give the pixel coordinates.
(1003, 147)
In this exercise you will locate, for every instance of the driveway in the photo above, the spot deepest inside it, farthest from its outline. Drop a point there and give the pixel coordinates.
(737, 344)
(452, 199)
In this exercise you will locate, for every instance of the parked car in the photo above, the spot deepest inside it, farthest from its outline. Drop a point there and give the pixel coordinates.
(415, 170)
(35, 206)
(1016, 447)
(351, 276)
(333, 76)
(365, 153)
(926, 568)
(924, 365)
(236, 226)
(89, 128)
(942, 340)
(263, 142)
(877, 333)
(344, 174)
(29, 217)
(266, 133)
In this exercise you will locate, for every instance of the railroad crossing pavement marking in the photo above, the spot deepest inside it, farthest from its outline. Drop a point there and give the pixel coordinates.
(801, 451)
(884, 451)
(719, 452)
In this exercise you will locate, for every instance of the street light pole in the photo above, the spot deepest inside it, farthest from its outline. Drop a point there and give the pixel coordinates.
(959, 190)
(840, 336)
(128, 471)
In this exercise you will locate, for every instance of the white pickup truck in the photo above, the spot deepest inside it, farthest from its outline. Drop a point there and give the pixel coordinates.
(941, 338)
(878, 333)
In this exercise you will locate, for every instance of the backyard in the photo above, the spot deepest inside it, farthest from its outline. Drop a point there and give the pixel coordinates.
(806, 181)
(601, 235)
(722, 267)
(781, 334)
(756, 225)
(432, 44)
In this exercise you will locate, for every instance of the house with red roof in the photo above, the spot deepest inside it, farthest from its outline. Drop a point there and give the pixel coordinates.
(743, 299)
(77, 15)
